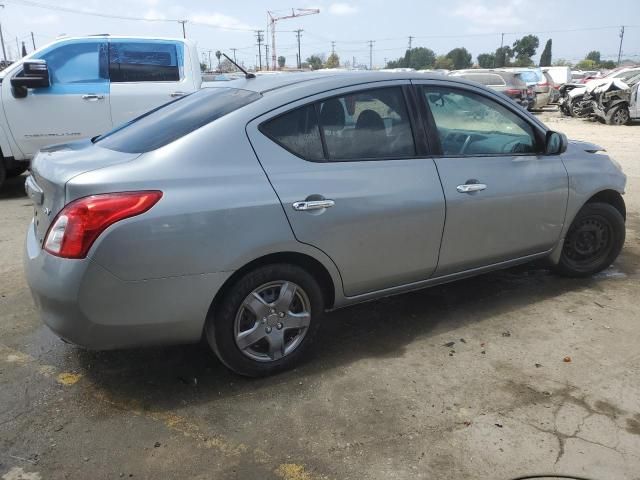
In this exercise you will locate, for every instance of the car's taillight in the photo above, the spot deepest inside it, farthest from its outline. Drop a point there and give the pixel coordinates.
(543, 84)
(77, 226)
(513, 91)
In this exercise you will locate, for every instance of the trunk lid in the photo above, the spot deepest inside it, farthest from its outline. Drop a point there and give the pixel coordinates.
(54, 166)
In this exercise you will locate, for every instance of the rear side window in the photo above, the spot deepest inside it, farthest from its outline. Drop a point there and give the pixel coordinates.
(144, 62)
(369, 124)
(176, 119)
(488, 79)
(298, 132)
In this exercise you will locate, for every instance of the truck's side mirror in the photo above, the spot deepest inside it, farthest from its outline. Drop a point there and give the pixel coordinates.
(35, 74)
(556, 143)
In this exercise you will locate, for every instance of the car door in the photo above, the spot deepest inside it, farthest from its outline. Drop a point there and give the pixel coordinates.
(74, 106)
(355, 181)
(144, 75)
(505, 198)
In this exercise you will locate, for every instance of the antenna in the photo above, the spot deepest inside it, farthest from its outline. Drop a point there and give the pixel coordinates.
(246, 74)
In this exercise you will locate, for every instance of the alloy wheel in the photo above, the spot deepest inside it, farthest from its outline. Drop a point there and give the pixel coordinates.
(272, 321)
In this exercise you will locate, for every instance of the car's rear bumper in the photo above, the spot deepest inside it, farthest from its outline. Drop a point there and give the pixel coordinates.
(85, 304)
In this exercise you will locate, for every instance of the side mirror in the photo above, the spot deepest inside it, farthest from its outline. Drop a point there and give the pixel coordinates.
(556, 143)
(35, 74)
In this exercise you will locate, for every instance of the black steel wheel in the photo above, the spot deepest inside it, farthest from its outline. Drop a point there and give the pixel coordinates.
(593, 242)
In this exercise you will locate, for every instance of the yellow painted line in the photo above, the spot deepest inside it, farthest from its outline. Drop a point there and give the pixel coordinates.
(176, 423)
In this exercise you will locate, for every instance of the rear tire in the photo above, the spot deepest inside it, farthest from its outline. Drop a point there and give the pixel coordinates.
(266, 321)
(618, 115)
(594, 240)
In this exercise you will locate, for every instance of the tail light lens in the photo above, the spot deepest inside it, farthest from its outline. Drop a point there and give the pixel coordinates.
(512, 91)
(77, 226)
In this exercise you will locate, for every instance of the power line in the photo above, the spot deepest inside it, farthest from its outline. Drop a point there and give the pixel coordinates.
(58, 8)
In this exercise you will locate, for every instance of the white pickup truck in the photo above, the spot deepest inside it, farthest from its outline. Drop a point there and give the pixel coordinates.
(80, 87)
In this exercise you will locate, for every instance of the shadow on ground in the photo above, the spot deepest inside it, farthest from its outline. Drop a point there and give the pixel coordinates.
(13, 187)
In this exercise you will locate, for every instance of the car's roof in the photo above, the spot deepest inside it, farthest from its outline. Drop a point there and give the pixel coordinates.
(266, 83)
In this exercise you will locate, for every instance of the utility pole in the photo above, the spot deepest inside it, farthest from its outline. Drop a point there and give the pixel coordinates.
(266, 55)
(4, 52)
(621, 38)
(184, 32)
(410, 41)
(333, 47)
(210, 66)
(17, 48)
(371, 42)
(260, 38)
(501, 40)
(234, 54)
(33, 41)
(274, 18)
(298, 35)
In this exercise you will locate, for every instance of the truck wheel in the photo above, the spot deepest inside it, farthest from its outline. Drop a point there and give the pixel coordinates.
(594, 241)
(618, 115)
(266, 321)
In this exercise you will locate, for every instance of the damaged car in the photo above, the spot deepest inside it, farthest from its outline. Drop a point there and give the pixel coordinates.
(616, 102)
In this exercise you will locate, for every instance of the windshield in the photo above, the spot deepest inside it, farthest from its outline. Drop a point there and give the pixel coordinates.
(167, 123)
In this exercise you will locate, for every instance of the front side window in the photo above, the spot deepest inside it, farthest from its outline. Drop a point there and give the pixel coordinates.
(470, 124)
(367, 124)
(77, 63)
(144, 62)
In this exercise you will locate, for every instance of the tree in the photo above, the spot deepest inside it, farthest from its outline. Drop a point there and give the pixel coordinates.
(561, 62)
(281, 61)
(460, 58)
(593, 55)
(545, 58)
(525, 48)
(503, 56)
(203, 67)
(315, 62)
(486, 60)
(608, 64)
(418, 58)
(443, 63)
(586, 65)
(333, 61)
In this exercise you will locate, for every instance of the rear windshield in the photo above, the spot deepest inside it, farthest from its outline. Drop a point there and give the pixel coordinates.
(530, 76)
(167, 123)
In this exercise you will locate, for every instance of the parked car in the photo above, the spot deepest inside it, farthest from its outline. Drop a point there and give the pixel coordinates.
(97, 81)
(554, 88)
(536, 80)
(616, 102)
(242, 212)
(507, 83)
(576, 99)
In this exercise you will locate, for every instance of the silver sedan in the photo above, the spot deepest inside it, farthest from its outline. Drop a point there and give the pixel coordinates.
(241, 213)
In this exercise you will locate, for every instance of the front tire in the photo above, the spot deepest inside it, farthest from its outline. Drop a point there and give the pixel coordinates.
(593, 242)
(266, 321)
(618, 115)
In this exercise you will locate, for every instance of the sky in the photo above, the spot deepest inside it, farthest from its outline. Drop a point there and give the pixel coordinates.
(576, 26)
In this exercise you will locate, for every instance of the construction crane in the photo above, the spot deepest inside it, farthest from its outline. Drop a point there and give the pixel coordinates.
(273, 18)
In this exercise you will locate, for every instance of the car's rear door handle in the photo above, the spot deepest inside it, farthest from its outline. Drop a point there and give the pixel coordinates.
(92, 96)
(312, 205)
(471, 187)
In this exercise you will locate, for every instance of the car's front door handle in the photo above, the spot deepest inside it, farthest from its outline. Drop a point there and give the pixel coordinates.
(92, 97)
(178, 94)
(312, 205)
(471, 187)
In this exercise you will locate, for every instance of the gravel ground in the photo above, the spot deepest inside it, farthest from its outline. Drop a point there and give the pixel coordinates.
(385, 395)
